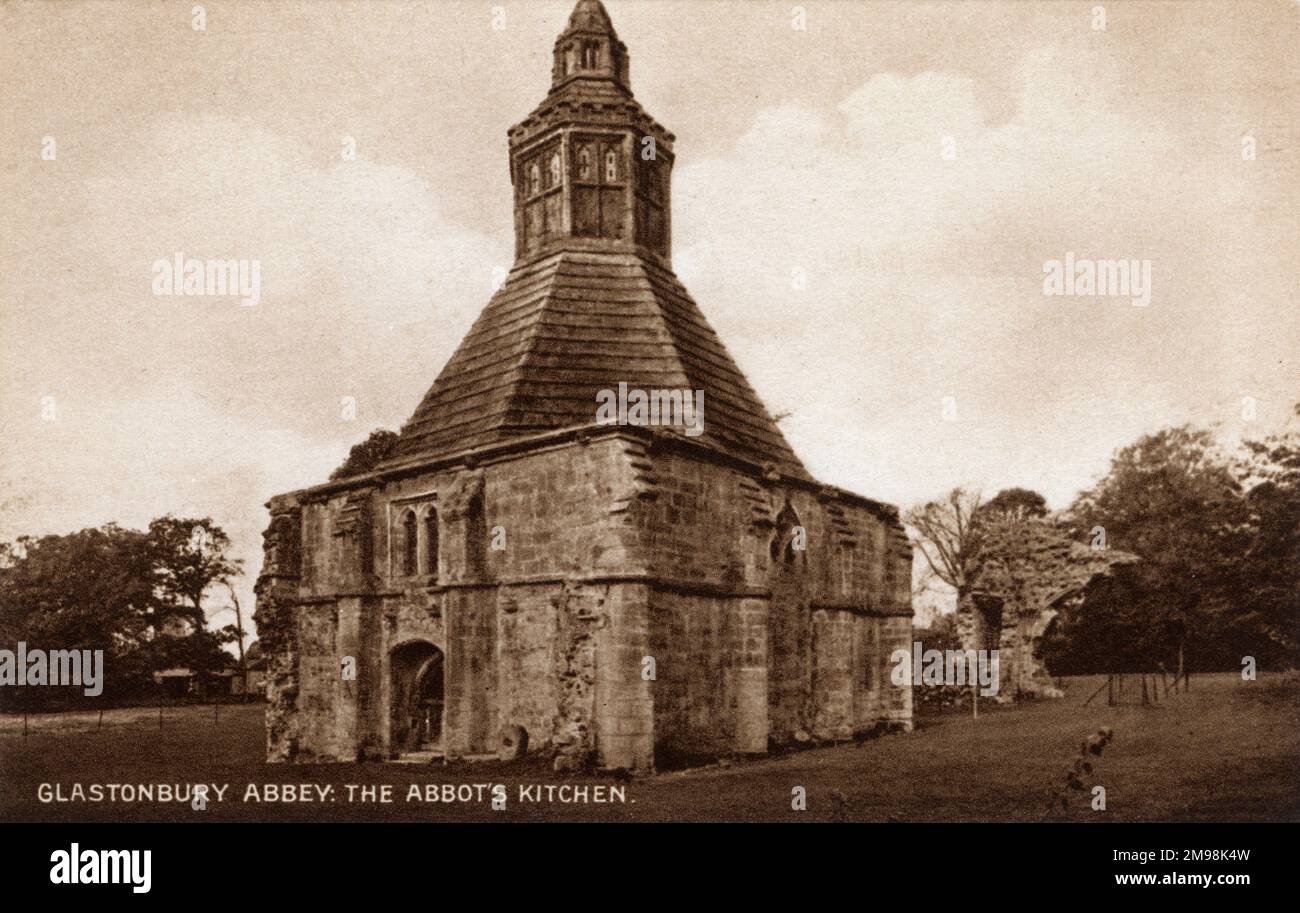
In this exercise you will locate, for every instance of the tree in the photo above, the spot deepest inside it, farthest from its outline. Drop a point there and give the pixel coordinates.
(1172, 499)
(946, 536)
(940, 634)
(959, 535)
(116, 590)
(1269, 572)
(367, 455)
(235, 632)
(189, 557)
(1015, 504)
(89, 590)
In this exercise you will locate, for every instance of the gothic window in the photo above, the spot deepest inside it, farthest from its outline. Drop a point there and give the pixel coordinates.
(584, 164)
(570, 60)
(431, 543)
(611, 166)
(591, 56)
(409, 544)
(534, 178)
(555, 170)
(783, 540)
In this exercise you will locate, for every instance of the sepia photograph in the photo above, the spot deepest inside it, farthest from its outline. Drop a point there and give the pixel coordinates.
(875, 414)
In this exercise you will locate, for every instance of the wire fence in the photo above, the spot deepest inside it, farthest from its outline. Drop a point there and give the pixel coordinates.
(1140, 689)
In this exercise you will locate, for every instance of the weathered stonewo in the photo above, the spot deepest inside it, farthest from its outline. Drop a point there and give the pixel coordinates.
(629, 596)
(1035, 571)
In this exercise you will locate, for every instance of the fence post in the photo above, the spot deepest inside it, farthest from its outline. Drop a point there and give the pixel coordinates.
(1110, 690)
(1145, 699)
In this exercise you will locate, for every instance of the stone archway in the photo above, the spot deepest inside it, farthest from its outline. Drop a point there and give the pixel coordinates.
(416, 697)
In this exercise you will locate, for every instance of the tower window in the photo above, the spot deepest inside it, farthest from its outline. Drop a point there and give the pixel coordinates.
(534, 178)
(570, 60)
(611, 166)
(584, 164)
(591, 56)
(409, 544)
(555, 170)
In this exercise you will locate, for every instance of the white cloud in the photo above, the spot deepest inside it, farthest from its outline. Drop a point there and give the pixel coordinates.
(924, 278)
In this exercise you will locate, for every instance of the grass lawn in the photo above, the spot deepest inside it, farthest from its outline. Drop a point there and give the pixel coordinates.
(1226, 751)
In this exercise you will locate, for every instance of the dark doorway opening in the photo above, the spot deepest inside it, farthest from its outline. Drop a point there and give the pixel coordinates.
(417, 697)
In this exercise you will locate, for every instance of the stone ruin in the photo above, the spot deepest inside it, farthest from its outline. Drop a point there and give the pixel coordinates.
(1030, 572)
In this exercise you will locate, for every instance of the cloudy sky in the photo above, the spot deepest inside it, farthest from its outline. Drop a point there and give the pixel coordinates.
(862, 207)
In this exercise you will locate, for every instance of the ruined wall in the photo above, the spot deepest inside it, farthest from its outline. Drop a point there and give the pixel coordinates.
(277, 624)
(1032, 567)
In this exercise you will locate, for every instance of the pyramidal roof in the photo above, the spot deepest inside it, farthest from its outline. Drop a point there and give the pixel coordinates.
(589, 305)
(590, 16)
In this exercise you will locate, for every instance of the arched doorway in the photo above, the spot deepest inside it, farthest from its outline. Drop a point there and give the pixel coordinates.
(416, 697)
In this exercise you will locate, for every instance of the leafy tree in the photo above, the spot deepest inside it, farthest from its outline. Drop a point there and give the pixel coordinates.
(367, 455)
(115, 590)
(89, 590)
(1102, 633)
(1015, 504)
(1172, 499)
(1269, 572)
(941, 633)
(960, 535)
(188, 557)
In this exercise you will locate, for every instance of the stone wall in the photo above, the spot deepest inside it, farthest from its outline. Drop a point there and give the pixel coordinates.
(767, 607)
(1031, 568)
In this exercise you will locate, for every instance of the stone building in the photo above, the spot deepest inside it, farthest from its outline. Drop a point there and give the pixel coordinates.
(1033, 572)
(519, 571)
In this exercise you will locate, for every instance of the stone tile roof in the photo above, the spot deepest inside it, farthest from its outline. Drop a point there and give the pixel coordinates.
(569, 325)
